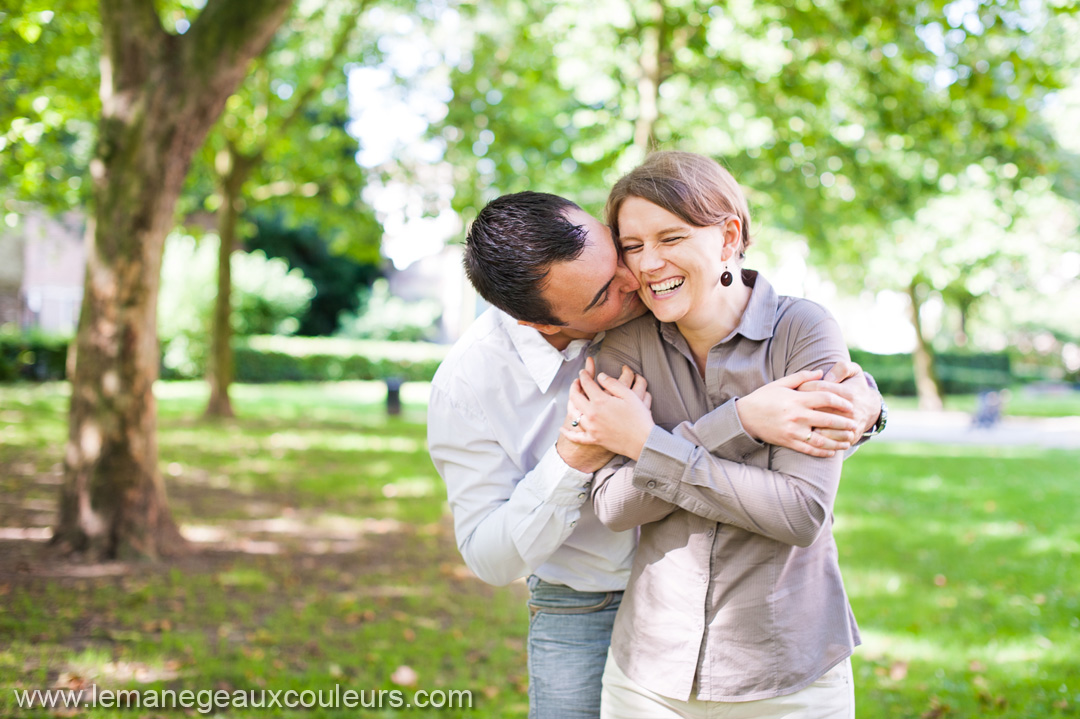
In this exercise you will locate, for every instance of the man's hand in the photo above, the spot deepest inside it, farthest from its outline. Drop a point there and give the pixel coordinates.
(778, 413)
(610, 413)
(590, 457)
(846, 380)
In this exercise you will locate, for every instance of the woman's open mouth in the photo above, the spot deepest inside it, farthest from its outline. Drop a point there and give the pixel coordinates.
(668, 287)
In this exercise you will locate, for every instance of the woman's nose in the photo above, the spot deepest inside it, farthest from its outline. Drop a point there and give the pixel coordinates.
(650, 260)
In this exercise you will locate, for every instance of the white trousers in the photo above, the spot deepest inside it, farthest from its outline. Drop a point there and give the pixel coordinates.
(830, 697)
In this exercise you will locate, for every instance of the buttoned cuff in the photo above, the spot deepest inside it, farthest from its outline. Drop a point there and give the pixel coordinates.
(722, 433)
(663, 461)
(558, 483)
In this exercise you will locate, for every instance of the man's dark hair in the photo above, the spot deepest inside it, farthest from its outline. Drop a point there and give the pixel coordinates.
(512, 244)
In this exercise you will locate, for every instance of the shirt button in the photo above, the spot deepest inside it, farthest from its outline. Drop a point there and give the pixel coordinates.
(573, 524)
(588, 485)
(651, 484)
(581, 496)
(710, 533)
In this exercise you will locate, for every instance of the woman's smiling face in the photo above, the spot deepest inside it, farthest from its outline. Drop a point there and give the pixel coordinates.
(678, 265)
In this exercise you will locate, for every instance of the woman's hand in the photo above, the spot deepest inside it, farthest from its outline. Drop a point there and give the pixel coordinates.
(588, 457)
(610, 414)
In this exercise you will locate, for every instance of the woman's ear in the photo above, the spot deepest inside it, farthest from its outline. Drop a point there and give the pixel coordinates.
(732, 230)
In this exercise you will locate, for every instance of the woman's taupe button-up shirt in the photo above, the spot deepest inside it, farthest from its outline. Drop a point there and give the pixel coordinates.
(735, 592)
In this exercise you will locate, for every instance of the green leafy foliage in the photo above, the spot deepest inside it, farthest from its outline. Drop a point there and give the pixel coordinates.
(836, 114)
(381, 316)
(48, 102)
(287, 127)
(267, 298)
(851, 124)
(336, 278)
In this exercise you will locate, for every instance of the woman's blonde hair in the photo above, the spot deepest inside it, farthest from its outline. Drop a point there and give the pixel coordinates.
(693, 187)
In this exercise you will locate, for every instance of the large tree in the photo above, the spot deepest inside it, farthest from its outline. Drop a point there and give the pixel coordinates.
(161, 92)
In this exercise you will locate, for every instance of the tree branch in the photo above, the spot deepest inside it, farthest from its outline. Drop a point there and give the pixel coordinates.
(132, 37)
(349, 24)
(226, 36)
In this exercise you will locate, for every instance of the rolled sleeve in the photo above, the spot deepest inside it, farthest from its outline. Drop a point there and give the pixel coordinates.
(722, 433)
(507, 520)
(618, 504)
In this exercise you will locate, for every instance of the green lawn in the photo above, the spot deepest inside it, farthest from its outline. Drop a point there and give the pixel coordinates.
(1020, 402)
(327, 558)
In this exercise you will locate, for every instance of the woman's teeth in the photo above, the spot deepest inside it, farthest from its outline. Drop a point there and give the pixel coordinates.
(667, 286)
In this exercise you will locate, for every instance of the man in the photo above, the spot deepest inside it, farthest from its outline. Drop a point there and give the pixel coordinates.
(517, 489)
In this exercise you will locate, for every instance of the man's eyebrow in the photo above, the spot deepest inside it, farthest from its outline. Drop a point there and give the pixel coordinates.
(599, 294)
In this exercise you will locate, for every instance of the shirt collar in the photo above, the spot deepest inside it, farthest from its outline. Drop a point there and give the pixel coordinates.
(757, 321)
(540, 358)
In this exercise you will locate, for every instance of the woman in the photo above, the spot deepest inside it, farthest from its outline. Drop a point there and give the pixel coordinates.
(735, 596)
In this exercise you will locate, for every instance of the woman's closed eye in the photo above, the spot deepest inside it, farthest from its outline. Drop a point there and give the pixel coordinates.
(631, 247)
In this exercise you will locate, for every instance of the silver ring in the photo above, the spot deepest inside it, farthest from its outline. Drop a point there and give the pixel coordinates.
(577, 421)
(811, 434)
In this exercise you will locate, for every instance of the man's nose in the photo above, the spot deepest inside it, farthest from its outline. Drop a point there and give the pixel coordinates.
(627, 281)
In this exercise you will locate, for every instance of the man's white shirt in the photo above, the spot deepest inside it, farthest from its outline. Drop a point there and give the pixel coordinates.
(496, 406)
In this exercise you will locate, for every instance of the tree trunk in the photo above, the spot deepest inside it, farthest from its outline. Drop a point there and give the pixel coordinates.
(113, 498)
(927, 384)
(220, 370)
(651, 36)
(160, 95)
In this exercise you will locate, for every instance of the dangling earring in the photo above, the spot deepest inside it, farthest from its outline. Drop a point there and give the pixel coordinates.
(725, 278)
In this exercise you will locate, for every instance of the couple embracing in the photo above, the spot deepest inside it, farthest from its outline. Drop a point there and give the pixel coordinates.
(649, 433)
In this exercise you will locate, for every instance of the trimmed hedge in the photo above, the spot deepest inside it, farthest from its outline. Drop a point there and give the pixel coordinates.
(314, 359)
(261, 359)
(959, 373)
(32, 356)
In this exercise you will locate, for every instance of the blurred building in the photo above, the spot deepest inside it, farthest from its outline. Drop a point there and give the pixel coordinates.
(440, 277)
(42, 265)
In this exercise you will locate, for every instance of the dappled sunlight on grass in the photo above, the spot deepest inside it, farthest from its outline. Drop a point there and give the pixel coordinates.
(325, 553)
(35, 534)
(412, 487)
(957, 557)
(311, 534)
(924, 450)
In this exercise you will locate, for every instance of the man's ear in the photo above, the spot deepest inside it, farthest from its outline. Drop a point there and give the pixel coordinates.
(542, 329)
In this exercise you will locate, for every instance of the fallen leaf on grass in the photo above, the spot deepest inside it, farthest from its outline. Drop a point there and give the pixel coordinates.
(937, 709)
(404, 676)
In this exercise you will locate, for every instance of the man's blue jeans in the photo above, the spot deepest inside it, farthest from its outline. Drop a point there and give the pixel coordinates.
(569, 635)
